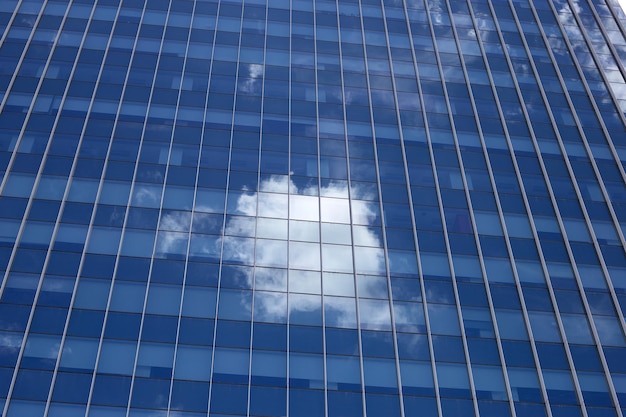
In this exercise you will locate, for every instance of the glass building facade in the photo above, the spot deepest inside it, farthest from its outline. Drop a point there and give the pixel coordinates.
(312, 208)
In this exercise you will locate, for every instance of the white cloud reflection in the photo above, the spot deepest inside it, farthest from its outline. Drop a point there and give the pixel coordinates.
(252, 84)
(315, 237)
(311, 254)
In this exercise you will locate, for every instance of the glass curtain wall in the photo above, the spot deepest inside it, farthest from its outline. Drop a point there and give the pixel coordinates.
(312, 208)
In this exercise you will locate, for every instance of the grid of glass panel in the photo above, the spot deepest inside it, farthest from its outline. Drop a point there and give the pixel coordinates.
(305, 208)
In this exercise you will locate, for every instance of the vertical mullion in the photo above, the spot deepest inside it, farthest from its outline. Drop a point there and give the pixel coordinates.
(439, 202)
(442, 209)
(191, 210)
(223, 230)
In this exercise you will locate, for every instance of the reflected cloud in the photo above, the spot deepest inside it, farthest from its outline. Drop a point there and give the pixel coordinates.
(43, 347)
(327, 266)
(252, 84)
(356, 96)
(176, 221)
(27, 21)
(147, 195)
(437, 10)
(607, 63)
(319, 264)
(10, 343)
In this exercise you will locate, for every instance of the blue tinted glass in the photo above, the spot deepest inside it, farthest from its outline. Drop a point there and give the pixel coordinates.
(385, 202)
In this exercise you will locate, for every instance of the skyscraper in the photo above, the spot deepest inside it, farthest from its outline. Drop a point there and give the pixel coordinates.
(305, 208)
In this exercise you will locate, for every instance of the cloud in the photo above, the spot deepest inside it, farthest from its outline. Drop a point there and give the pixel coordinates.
(328, 254)
(316, 248)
